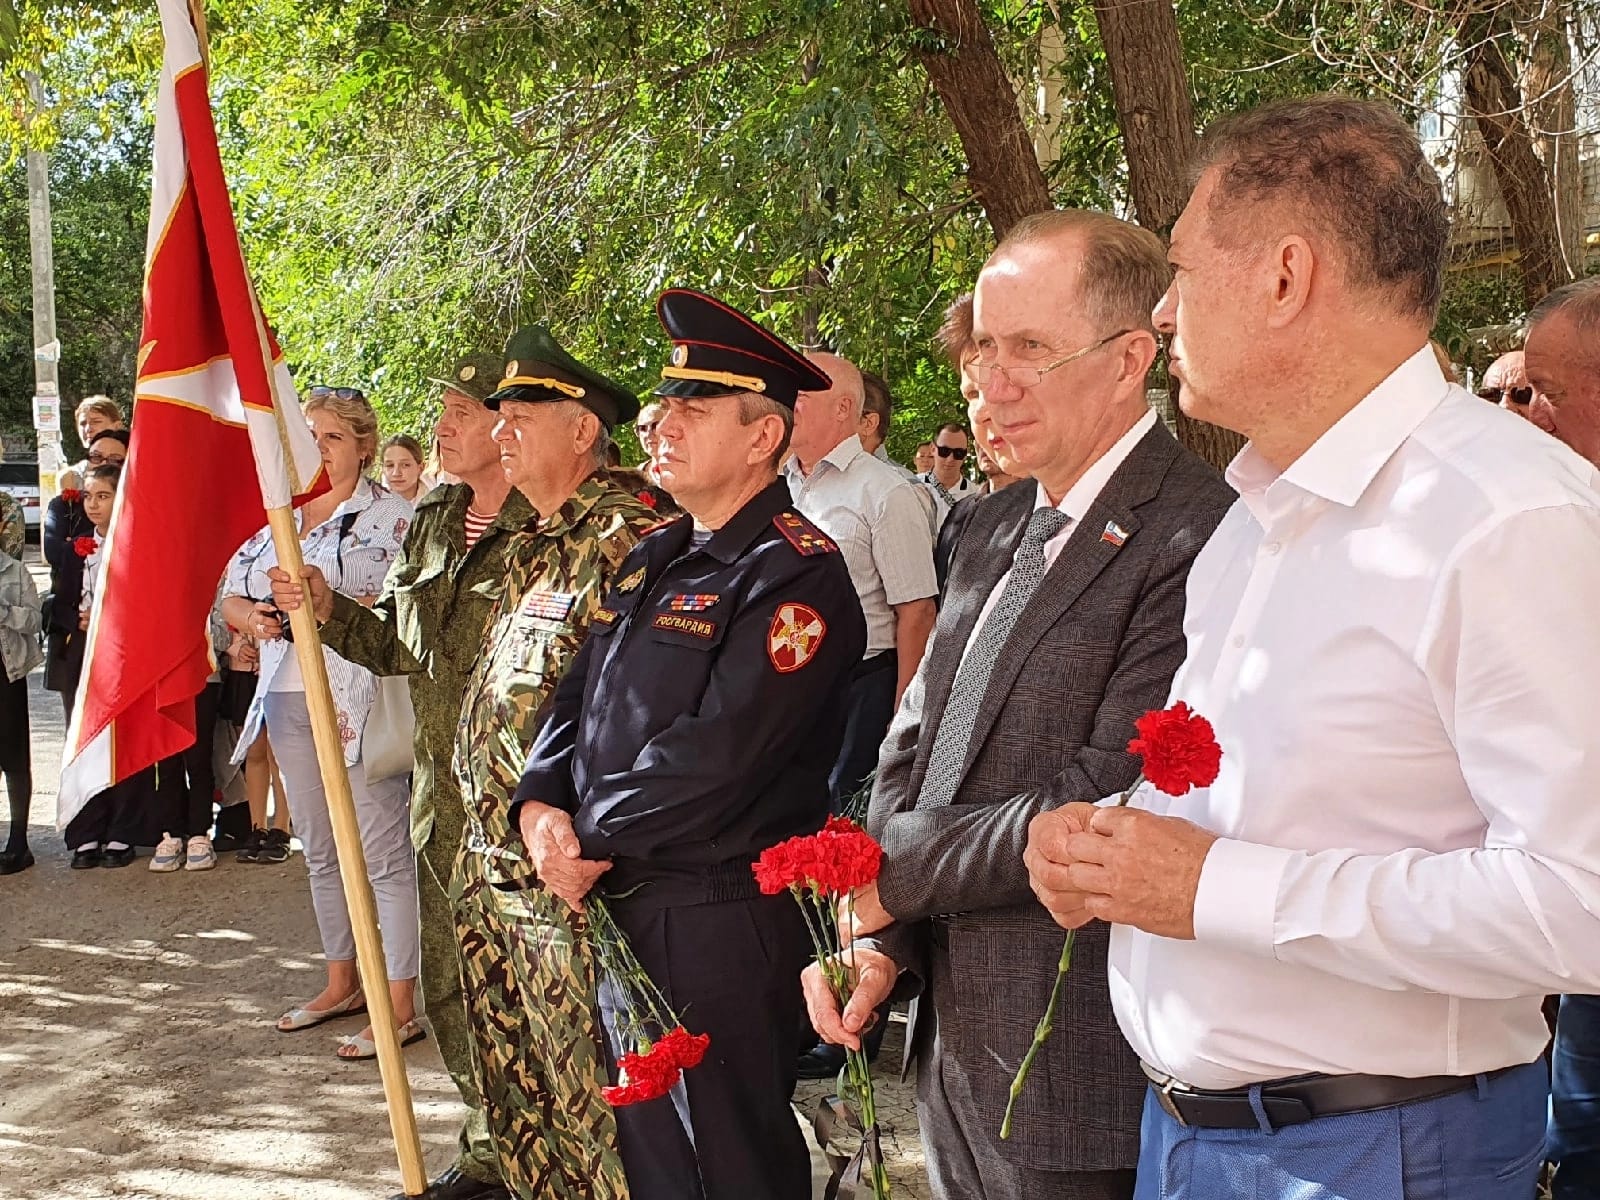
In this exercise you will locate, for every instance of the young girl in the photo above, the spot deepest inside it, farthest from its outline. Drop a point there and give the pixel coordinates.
(402, 468)
(103, 833)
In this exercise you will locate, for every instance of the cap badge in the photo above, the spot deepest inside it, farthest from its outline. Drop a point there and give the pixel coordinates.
(511, 368)
(680, 355)
(466, 373)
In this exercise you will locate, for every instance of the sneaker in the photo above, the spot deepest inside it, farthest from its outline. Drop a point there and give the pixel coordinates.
(201, 856)
(168, 855)
(274, 847)
(250, 850)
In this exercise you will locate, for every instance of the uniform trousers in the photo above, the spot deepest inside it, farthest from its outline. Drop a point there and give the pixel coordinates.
(962, 1154)
(528, 980)
(1484, 1143)
(728, 970)
(383, 815)
(441, 989)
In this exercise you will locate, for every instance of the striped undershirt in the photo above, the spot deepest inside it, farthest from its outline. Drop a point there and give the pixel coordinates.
(476, 523)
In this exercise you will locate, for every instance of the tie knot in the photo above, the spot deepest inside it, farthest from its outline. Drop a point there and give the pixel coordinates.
(1044, 525)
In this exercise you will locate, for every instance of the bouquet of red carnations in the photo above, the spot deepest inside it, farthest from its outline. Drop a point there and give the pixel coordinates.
(822, 873)
(661, 1048)
(1179, 751)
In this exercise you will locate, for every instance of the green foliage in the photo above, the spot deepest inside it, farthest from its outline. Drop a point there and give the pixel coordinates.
(414, 178)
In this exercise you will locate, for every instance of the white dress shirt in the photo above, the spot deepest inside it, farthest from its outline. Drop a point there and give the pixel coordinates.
(1396, 641)
(1073, 505)
(881, 528)
(924, 496)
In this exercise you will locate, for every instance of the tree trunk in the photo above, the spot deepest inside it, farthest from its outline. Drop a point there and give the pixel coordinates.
(1150, 87)
(1552, 111)
(1494, 101)
(960, 58)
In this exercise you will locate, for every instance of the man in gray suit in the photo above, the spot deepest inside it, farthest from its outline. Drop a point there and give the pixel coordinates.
(1061, 624)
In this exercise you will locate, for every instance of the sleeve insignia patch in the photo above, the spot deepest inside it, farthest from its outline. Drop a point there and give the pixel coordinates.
(604, 617)
(550, 606)
(794, 637)
(694, 626)
(631, 582)
(803, 535)
(696, 602)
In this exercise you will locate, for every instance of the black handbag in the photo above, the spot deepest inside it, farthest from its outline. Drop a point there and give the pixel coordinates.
(238, 689)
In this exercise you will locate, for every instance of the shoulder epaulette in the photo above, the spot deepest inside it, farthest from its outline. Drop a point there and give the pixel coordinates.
(803, 535)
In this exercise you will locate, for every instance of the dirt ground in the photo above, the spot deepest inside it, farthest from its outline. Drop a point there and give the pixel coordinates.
(137, 1055)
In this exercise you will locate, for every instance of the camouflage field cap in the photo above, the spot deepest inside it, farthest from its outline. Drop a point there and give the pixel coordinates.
(474, 376)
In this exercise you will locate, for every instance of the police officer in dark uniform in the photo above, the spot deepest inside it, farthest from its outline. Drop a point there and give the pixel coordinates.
(697, 727)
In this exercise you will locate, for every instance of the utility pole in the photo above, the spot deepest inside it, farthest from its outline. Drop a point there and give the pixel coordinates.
(46, 348)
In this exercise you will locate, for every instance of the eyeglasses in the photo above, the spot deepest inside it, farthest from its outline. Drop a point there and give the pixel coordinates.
(1521, 395)
(321, 392)
(100, 460)
(1027, 377)
(955, 452)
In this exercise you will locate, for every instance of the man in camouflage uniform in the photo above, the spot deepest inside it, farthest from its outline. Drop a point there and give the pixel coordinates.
(428, 624)
(528, 976)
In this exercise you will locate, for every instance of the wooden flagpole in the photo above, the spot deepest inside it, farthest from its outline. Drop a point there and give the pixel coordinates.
(336, 786)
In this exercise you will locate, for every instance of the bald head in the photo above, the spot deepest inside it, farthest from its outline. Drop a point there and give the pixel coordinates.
(1507, 371)
(847, 381)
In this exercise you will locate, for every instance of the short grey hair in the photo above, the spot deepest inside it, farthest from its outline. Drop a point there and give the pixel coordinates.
(1356, 169)
(753, 406)
(1580, 301)
(1122, 274)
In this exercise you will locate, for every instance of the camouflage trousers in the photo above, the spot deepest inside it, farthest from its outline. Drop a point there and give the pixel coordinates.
(441, 991)
(530, 996)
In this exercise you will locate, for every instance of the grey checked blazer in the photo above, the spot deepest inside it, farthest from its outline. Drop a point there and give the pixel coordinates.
(1096, 647)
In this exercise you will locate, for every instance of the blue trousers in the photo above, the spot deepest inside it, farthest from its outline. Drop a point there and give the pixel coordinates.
(1574, 1138)
(1485, 1143)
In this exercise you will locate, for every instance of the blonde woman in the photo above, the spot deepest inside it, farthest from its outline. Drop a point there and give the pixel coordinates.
(353, 533)
(402, 468)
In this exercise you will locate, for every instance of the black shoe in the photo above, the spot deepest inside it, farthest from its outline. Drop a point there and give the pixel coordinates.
(250, 850)
(224, 842)
(12, 861)
(455, 1185)
(274, 847)
(822, 1061)
(118, 858)
(82, 860)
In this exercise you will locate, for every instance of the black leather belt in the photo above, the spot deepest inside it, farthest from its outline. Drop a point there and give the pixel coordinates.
(1298, 1099)
(881, 661)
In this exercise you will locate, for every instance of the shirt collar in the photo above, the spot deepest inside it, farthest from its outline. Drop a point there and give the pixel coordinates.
(1075, 504)
(359, 500)
(1343, 462)
(839, 458)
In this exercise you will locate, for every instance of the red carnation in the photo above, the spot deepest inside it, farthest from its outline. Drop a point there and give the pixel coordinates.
(839, 858)
(1179, 749)
(648, 499)
(647, 1076)
(71, 495)
(83, 547)
(685, 1049)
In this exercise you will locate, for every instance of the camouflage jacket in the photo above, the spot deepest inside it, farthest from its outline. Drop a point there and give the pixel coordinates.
(428, 623)
(558, 571)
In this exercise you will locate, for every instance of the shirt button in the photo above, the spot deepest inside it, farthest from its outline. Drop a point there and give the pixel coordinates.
(1273, 547)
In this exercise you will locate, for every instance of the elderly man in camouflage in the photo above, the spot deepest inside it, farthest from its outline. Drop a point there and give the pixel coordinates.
(529, 982)
(428, 624)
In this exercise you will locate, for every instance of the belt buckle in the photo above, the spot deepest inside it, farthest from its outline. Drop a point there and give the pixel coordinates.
(1163, 1088)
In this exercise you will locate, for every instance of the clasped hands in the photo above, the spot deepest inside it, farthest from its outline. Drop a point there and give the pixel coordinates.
(1124, 866)
(557, 858)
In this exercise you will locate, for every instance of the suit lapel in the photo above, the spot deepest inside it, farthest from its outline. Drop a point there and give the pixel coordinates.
(1089, 550)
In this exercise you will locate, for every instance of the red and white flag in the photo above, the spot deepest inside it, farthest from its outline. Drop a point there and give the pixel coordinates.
(218, 438)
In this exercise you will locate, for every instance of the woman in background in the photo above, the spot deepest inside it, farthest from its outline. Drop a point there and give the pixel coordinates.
(402, 468)
(353, 533)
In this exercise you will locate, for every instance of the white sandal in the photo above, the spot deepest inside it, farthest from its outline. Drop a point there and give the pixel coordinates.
(412, 1031)
(310, 1018)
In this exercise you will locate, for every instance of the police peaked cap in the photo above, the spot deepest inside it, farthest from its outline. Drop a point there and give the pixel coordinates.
(474, 376)
(537, 369)
(718, 351)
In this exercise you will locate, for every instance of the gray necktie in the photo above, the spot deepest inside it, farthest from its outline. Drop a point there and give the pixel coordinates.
(972, 678)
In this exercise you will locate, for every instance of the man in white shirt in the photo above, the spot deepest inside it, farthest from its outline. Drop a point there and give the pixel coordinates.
(882, 530)
(946, 480)
(1332, 960)
(1559, 370)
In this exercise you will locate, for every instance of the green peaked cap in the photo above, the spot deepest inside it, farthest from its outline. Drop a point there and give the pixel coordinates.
(474, 376)
(538, 369)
